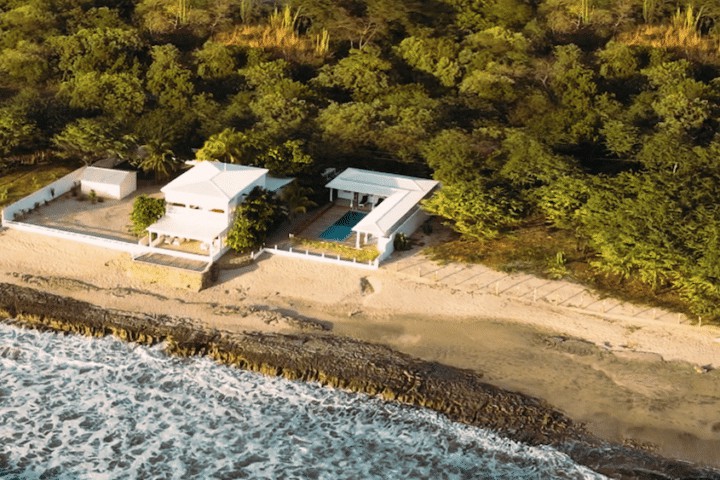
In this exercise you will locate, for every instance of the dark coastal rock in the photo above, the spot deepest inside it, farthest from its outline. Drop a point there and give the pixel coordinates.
(353, 365)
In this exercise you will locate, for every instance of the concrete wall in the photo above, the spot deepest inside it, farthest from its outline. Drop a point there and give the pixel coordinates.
(47, 193)
(171, 276)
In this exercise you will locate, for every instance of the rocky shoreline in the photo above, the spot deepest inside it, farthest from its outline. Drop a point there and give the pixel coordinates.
(349, 364)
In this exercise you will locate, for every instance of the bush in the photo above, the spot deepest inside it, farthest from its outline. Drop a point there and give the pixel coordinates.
(253, 220)
(401, 242)
(146, 211)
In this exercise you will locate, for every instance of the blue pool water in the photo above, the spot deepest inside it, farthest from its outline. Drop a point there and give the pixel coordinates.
(342, 228)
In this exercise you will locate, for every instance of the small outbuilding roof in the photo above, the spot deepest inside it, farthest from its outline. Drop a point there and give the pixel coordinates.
(401, 194)
(106, 176)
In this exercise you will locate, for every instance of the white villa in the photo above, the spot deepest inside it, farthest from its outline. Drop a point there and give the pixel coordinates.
(201, 204)
(200, 209)
(393, 202)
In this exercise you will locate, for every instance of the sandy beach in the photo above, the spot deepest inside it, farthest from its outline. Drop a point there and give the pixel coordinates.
(629, 378)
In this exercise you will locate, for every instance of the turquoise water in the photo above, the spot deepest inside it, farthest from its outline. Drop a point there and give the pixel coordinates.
(342, 228)
(79, 408)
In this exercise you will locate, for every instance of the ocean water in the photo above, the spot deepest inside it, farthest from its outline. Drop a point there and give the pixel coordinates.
(79, 408)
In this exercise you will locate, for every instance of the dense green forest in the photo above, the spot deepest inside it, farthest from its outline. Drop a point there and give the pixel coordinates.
(597, 118)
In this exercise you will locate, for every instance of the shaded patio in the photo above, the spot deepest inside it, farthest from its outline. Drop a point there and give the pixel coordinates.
(190, 231)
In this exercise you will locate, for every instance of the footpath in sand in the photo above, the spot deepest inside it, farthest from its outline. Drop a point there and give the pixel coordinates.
(626, 371)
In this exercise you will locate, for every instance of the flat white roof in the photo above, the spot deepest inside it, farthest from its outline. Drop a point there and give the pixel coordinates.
(106, 176)
(402, 193)
(194, 225)
(273, 184)
(215, 179)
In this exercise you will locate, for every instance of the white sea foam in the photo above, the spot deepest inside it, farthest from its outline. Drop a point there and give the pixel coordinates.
(74, 408)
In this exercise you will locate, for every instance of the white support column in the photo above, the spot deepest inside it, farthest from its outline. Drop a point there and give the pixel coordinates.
(331, 190)
(357, 240)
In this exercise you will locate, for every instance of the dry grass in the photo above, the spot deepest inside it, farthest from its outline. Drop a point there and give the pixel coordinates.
(279, 34)
(534, 248)
(681, 36)
(528, 249)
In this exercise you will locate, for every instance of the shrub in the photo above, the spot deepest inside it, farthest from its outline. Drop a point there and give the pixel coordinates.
(556, 267)
(146, 211)
(253, 220)
(401, 242)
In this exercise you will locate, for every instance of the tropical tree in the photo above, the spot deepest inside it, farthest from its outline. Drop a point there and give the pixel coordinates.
(91, 139)
(227, 146)
(364, 73)
(146, 211)
(214, 61)
(168, 80)
(286, 159)
(296, 199)
(17, 130)
(156, 156)
(118, 95)
(253, 219)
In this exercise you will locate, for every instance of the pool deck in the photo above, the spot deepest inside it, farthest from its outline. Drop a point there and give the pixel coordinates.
(332, 215)
(342, 226)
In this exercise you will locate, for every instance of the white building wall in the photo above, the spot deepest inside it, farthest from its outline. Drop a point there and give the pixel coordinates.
(129, 185)
(110, 190)
(408, 227)
(344, 194)
(101, 189)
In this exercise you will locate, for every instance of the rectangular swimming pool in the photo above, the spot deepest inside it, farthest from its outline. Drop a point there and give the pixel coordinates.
(342, 228)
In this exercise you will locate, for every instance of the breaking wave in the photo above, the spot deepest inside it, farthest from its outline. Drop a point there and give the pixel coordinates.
(73, 408)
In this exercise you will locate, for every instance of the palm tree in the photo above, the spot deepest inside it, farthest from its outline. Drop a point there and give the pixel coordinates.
(296, 199)
(227, 146)
(157, 157)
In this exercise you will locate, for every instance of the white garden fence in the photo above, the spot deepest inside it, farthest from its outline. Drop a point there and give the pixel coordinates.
(321, 257)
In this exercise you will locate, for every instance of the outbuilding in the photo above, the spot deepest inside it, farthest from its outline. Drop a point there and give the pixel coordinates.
(108, 183)
(384, 204)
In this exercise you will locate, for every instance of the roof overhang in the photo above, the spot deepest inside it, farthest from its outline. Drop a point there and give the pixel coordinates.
(199, 225)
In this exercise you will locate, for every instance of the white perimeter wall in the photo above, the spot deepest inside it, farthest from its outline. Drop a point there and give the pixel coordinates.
(60, 187)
